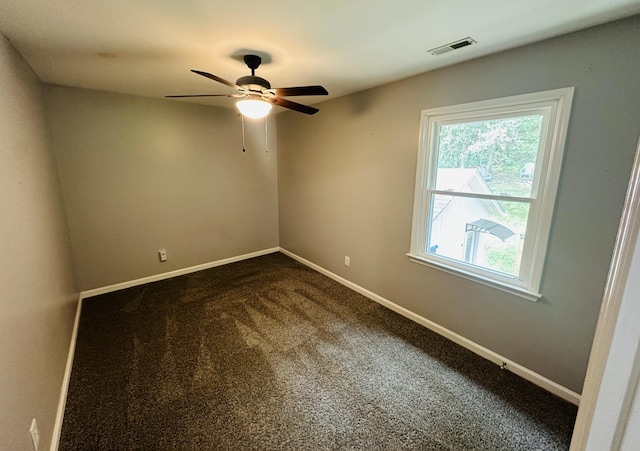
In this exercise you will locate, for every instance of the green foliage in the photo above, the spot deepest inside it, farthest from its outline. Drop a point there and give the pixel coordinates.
(500, 147)
(502, 258)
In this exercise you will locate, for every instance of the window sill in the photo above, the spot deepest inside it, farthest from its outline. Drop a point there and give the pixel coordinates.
(511, 289)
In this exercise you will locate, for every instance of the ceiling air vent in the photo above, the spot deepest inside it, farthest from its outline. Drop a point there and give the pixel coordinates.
(452, 46)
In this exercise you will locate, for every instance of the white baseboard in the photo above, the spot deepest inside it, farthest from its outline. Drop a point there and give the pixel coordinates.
(177, 272)
(57, 427)
(494, 357)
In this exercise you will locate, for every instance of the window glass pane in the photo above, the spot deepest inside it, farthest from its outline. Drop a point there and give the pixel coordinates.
(494, 156)
(480, 232)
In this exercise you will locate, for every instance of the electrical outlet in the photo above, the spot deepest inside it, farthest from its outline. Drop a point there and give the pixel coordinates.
(35, 434)
(162, 254)
(347, 261)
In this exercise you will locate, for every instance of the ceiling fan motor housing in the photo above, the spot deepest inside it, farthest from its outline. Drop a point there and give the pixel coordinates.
(249, 80)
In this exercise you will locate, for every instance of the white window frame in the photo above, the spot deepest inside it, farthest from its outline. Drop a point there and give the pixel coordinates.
(555, 106)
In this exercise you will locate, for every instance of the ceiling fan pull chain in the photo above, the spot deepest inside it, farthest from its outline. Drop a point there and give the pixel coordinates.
(266, 136)
(243, 147)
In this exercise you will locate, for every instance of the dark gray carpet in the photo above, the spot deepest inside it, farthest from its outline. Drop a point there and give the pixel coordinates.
(268, 354)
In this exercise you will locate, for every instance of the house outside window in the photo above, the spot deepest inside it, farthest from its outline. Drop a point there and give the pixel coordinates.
(486, 184)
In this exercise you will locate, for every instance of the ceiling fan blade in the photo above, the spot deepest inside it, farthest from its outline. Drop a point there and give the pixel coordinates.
(301, 91)
(215, 78)
(293, 105)
(203, 95)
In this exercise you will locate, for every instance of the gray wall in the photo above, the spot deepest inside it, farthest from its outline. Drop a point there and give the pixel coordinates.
(346, 182)
(142, 174)
(37, 295)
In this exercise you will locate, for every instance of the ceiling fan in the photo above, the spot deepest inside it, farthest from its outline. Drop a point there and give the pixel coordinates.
(256, 94)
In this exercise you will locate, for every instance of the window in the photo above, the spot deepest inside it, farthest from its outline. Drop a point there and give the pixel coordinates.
(485, 188)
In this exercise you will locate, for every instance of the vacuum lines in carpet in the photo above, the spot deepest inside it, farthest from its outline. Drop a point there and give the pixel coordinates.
(269, 354)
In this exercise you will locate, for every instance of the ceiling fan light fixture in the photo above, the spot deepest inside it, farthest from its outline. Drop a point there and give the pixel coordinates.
(253, 108)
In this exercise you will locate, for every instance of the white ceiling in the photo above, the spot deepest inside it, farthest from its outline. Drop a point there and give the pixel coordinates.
(147, 47)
